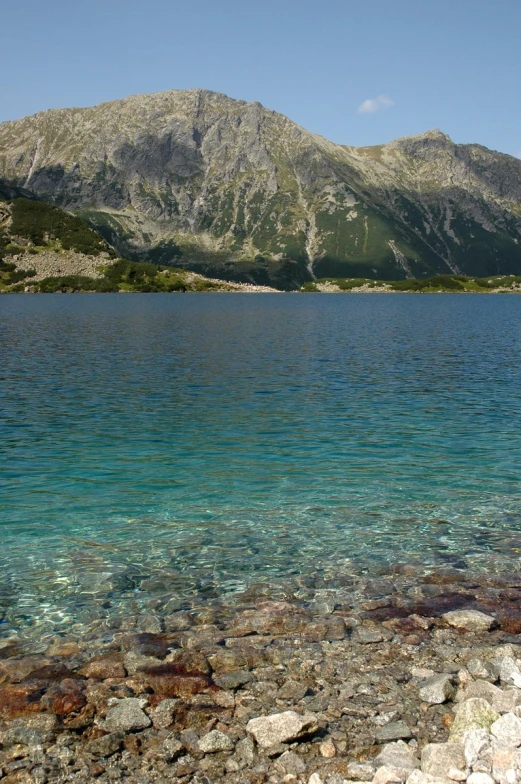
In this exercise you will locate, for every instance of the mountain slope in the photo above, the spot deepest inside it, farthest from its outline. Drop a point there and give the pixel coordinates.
(45, 249)
(235, 190)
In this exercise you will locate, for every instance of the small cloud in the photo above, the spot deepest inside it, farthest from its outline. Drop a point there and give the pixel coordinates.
(375, 104)
(518, 154)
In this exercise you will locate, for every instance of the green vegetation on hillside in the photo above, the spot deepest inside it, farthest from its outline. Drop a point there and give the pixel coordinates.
(122, 275)
(437, 283)
(50, 229)
(40, 223)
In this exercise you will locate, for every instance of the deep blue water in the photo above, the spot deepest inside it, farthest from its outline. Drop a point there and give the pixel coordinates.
(221, 439)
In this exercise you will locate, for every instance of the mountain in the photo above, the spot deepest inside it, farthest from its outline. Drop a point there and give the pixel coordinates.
(228, 188)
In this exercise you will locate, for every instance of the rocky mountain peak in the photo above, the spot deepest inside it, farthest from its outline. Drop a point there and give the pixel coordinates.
(232, 189)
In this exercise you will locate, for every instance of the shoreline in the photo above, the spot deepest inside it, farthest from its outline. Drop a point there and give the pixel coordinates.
(169, 694)
(266, 290)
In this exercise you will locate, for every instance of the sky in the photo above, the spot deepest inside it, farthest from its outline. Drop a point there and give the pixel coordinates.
(359, 72)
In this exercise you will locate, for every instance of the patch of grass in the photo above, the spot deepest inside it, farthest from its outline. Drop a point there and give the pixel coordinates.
(70, 283)
(436, 283)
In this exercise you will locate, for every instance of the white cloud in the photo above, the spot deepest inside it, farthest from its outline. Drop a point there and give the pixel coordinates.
(375, 104)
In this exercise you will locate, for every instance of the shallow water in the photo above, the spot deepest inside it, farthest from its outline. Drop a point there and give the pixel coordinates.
(192, 444)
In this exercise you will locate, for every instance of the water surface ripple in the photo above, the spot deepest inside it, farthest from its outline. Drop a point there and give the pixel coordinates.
(196, 443)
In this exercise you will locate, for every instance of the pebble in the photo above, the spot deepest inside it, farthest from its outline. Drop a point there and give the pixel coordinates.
(127, 716)
(106, 745)
(398, 755)
(395, 730)
(328, 749)
(215, 741)
(271, 693)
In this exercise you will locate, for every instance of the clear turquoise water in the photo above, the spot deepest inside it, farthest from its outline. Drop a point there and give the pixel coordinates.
(198, 443)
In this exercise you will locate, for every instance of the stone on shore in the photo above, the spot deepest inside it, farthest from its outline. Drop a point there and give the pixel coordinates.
(390, 775)
(480, 778)
(476, 743)
(362, 771)
(508, 671)
(473, 714)
(105, 746)
(437, 689)
(233, 679)
(163, 715)
(507, 701)
(507, 730)
(215, 741)
(506, 763)
(281, 727)
(481, 689)
(418, 777)
(395, 730)
(398, 755)
(444, 760)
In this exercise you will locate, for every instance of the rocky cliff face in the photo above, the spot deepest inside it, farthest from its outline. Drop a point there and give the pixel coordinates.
(233, 189)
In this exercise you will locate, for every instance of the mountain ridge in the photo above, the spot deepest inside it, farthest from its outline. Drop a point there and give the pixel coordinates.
(232, 189)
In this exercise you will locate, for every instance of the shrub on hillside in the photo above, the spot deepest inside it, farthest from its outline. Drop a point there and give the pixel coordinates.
(69, 283)
(39, 222)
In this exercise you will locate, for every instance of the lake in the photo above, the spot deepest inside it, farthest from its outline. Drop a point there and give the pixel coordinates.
(188, 446)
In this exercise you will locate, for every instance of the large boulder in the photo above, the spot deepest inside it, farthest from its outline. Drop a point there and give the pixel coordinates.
(444, 760)
(473, 714)
(281, 727)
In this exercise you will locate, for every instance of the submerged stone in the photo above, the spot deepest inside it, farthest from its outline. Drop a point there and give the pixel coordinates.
(126, 716)
(470, 620)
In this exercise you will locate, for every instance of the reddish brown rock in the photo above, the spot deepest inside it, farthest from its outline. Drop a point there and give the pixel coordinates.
(50, 673)
(509, 621)
(190, 662)
(173, 679)
(80, 720)
(17, 700)
(244, 657)
(64, 698)
(103, 667)
(15, 670)
(435, 606)
(331, 628)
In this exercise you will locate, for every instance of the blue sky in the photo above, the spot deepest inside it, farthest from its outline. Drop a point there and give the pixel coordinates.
(359, 73)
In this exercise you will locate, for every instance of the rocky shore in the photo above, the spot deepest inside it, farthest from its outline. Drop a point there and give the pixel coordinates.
(389, 679)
